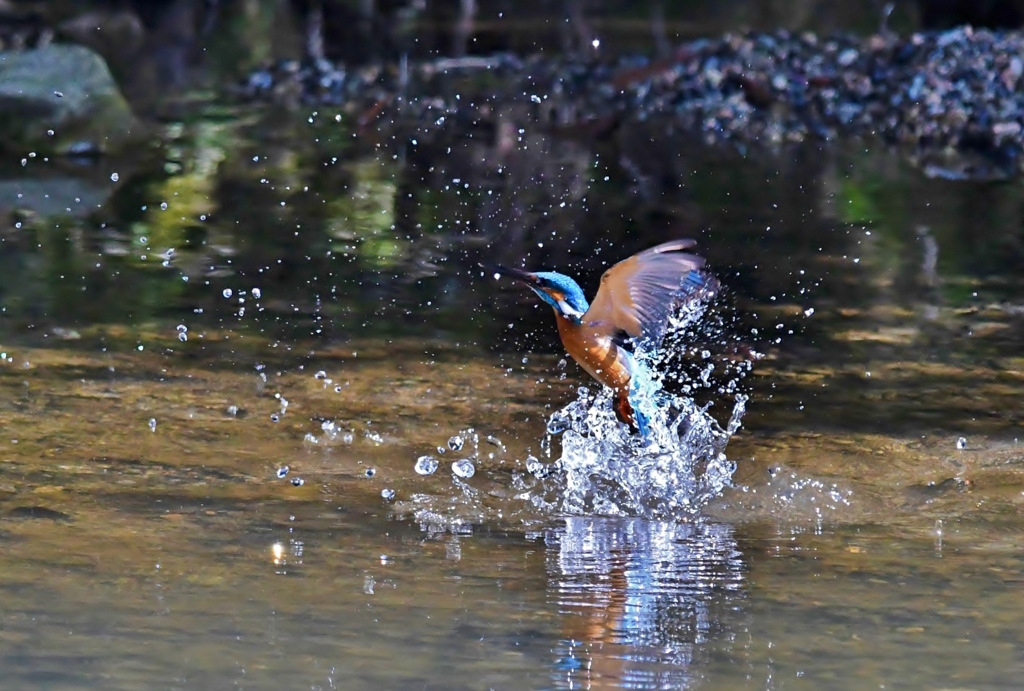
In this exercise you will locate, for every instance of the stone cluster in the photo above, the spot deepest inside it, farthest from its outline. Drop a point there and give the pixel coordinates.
(953, 100)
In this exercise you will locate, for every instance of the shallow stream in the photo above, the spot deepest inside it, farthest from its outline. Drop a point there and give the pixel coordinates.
(221, 364)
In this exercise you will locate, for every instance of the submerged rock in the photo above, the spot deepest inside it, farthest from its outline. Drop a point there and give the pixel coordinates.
(54, 194)
(61, 99)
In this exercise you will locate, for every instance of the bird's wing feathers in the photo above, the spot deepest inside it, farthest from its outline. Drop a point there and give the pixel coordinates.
(637, 294)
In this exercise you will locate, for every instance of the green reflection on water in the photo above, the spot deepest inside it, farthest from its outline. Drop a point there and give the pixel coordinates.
(365, 214)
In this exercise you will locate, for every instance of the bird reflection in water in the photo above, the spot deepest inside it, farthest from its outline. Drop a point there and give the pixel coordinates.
(640, 599)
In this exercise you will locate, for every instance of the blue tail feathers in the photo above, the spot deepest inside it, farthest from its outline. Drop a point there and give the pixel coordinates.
(642, 423)
(642, 393)
(698, 280)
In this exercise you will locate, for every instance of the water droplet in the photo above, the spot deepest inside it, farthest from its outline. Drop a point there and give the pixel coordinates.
(282, 472)
(49, 133)
(809, 311)
(370, 472)
(426, 465)
(182, 328)
(533, 465)
(257, 293)
(320, 375)
(348, 438)
(464, 468)
(388, 494)
(298, 482)
(558, 423)
(441, 449)
(152, 424)
(226, 292)
(114, 177)
(455, 443)
(961, 443)
(163, 206)
(274, 417)
(182, 336)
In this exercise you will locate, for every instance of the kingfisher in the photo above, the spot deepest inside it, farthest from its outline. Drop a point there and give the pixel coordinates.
(632, 307)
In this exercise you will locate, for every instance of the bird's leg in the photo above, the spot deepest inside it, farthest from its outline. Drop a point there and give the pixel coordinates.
(624, 411)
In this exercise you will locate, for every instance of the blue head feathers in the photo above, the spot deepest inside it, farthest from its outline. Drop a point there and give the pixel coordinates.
(562, 293)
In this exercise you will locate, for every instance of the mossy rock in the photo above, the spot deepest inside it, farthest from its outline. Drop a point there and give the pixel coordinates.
(67, 90)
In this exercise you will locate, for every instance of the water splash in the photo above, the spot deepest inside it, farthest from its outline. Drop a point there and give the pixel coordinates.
(463, 468)
(675, 470)
(671, 471)
(679, 463)
(426, 465)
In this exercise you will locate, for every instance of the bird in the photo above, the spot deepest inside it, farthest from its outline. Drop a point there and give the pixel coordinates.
(632, 306)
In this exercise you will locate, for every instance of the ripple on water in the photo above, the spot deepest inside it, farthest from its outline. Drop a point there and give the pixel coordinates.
(790, 496)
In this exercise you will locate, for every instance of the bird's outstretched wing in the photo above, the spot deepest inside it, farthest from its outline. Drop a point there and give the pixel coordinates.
(637, 295)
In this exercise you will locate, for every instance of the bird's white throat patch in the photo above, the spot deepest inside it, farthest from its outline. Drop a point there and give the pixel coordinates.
(568, 310)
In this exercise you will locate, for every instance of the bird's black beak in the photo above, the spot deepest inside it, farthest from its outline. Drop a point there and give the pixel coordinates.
(518, 274)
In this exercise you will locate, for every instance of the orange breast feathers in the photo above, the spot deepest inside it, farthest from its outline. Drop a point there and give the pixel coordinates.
(596, 353)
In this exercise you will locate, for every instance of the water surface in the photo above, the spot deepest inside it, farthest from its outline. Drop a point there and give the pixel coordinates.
(270, 292)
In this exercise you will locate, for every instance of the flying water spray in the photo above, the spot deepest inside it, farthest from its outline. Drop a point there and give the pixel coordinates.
(679, 463)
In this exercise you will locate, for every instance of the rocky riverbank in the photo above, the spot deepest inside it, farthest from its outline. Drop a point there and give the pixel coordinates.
(952, 100)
